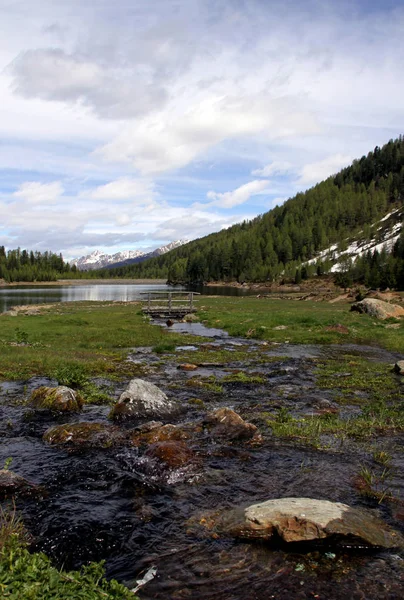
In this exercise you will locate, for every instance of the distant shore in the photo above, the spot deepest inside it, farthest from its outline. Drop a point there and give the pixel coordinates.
(86, 282)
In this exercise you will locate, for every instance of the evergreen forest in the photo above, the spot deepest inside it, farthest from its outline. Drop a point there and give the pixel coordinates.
(277, 244)
(283, 244)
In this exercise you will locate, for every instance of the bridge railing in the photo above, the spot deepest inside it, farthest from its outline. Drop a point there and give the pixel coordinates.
(169, 303)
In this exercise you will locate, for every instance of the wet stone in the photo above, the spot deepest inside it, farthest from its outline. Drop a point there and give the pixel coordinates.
(173, 454)
(143, 399)
(226, 423)
(76, 436)
(157, 433)
(187, 367)
(399, 367)
(56, 399)
(12, 484)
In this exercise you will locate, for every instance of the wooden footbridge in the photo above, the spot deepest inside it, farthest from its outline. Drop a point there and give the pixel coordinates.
(175, 305)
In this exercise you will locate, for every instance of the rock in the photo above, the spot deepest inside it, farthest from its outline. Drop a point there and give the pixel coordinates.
(12, 484)
(307, 520)
(143, 399)
(378, 308)
(57, 399)
(399, 367)
(169, 322)
(158, 433)
(280, 327)
(187, 367)
(173, 454)
(76, 436)
(226, 423)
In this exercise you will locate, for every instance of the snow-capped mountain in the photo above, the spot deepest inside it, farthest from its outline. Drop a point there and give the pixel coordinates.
(99, 260)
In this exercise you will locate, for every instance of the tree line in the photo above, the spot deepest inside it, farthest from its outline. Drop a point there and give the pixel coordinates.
(274, 245)
(25, 265)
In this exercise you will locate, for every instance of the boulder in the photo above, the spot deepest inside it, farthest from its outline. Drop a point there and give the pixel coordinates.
(378, 308)
(225, 423)
(56, 399)
(319, 522)
(399, 367)
(172, 454)
(143, 399)
(12, 484)
(76, 436)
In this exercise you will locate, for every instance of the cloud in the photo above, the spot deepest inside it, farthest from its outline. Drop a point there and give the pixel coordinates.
(170, 140)
(317, 171)
(274, 168)
(52, 74)
(238, 196)
(124, 188)
(36, 193)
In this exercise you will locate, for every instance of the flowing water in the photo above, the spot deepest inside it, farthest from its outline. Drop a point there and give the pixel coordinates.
(122, 505)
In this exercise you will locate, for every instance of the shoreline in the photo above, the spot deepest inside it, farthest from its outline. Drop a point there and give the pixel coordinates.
(4, 284)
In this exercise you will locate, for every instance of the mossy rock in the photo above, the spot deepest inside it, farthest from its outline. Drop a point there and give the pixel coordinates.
(76, 436)
(57, 399)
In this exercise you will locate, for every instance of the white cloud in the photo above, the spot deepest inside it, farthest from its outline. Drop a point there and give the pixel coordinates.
(274, 168)
(124, 188)
(238, 196)
(34, 192)
(317, 171)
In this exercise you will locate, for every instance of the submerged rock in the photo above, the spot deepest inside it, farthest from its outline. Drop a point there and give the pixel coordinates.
(173, 453)
(309, 521)
(154, 432)
(226, 423)
(143, 399)
(187, 367)
(12, 484)
(85, 435)
(56, 399)
(378, 308)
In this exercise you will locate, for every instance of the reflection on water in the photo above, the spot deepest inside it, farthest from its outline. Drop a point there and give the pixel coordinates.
(45, 294)
(18, 295)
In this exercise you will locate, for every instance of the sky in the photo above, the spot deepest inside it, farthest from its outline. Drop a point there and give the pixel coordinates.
(126, 125)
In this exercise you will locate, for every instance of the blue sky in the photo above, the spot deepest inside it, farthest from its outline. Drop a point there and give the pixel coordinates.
(131, 124)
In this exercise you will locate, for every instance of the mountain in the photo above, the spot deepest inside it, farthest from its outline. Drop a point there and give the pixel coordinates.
(99, 260)
(352, 206)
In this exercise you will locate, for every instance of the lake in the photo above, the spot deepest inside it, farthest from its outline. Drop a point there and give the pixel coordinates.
(122, 292)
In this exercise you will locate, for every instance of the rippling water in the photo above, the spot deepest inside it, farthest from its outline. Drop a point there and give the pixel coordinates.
(128, 508)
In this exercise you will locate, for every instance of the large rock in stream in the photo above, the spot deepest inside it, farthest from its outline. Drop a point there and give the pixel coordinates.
(378, 308)
(56, 399)
(306, 520)
(143, 399)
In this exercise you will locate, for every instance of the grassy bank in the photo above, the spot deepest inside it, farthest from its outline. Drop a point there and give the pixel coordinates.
(299, 322)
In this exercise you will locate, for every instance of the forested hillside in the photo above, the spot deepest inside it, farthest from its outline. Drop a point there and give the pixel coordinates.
(276, 244)
(22, 265)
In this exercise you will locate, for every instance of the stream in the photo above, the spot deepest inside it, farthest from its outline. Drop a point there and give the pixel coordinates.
(124, 506)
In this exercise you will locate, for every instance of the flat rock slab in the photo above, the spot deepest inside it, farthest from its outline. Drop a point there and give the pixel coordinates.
(310, 520)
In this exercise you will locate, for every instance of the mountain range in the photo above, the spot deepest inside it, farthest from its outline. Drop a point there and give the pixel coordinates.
(100, 260)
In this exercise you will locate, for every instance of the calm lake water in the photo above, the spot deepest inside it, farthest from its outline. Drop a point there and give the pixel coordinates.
(15, 296)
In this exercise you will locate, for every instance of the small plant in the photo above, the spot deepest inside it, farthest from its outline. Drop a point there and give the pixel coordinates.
(73, 375)
(382, 458)
(283, 415)
(7, 463)
(163, 348)
(21, 336)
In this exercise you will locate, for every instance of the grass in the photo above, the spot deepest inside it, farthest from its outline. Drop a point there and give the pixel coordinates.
(305, 322)
(74, 340)
(33, 577)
